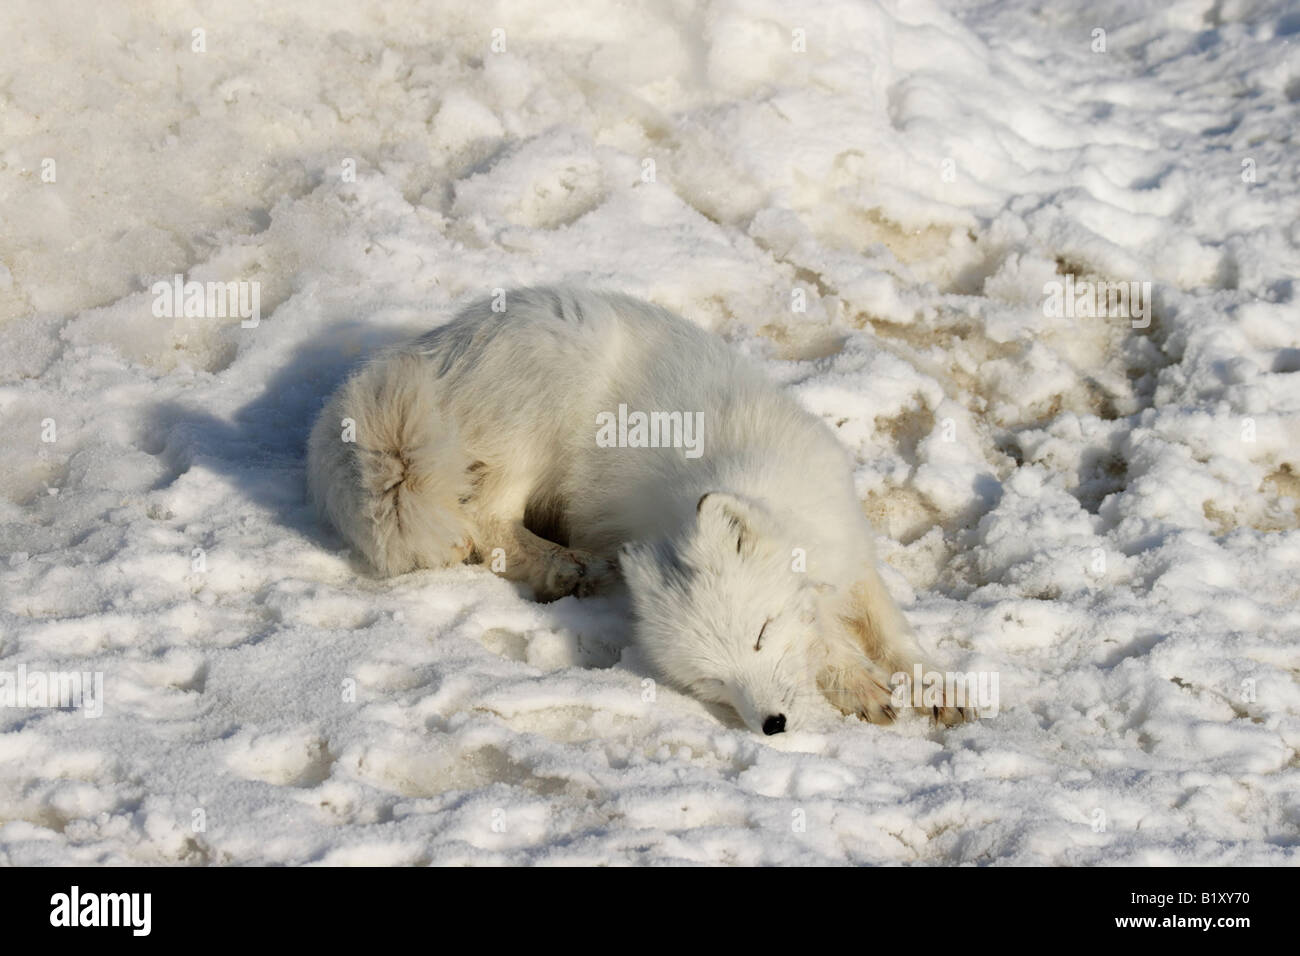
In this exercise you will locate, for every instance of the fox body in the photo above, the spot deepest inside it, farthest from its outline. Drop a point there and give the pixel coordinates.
(726, 508)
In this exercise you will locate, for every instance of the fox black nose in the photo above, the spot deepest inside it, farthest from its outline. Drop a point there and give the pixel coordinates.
(774, 725)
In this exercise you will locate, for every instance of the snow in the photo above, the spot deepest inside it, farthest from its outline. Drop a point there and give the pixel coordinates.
(1104, 516)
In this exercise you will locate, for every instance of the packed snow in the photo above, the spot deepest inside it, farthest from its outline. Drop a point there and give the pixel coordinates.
(870, 198)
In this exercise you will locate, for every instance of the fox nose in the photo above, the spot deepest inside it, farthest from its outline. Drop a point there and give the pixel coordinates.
(774, 724)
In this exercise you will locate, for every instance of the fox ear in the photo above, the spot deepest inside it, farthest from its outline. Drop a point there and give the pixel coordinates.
(724, 514)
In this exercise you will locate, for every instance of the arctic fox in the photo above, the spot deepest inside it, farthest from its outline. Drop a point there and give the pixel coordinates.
(728, 510)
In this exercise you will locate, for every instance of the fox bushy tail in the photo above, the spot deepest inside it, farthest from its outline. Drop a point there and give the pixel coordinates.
(386, 467)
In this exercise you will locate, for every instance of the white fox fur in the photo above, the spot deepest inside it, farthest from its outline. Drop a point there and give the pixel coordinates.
(751, 566)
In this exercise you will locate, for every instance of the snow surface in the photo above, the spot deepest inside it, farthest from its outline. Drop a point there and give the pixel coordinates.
(1101, 530)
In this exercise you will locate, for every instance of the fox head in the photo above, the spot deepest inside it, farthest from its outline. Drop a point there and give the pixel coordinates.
(722, 614)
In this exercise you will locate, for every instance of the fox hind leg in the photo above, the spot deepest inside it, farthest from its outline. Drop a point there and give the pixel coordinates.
(551, 570)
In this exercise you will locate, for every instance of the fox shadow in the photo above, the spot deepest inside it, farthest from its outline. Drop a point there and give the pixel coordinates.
(262, 447)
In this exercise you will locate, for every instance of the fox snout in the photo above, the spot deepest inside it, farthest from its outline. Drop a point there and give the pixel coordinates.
(769, 717)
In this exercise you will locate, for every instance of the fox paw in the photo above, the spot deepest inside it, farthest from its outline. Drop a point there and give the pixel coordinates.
(951, 716)
(579, 573)
(946, 713)
(867, 691)
(863, 692)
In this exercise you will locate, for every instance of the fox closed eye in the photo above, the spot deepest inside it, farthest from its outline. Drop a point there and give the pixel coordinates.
(758, 644)
(708, 687)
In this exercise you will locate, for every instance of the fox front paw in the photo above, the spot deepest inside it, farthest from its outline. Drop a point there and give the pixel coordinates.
(862, 692)
(867, 690)
(947, 716)
(946, 712)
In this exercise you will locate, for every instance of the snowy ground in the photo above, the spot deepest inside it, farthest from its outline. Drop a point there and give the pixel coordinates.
(1106, 516)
